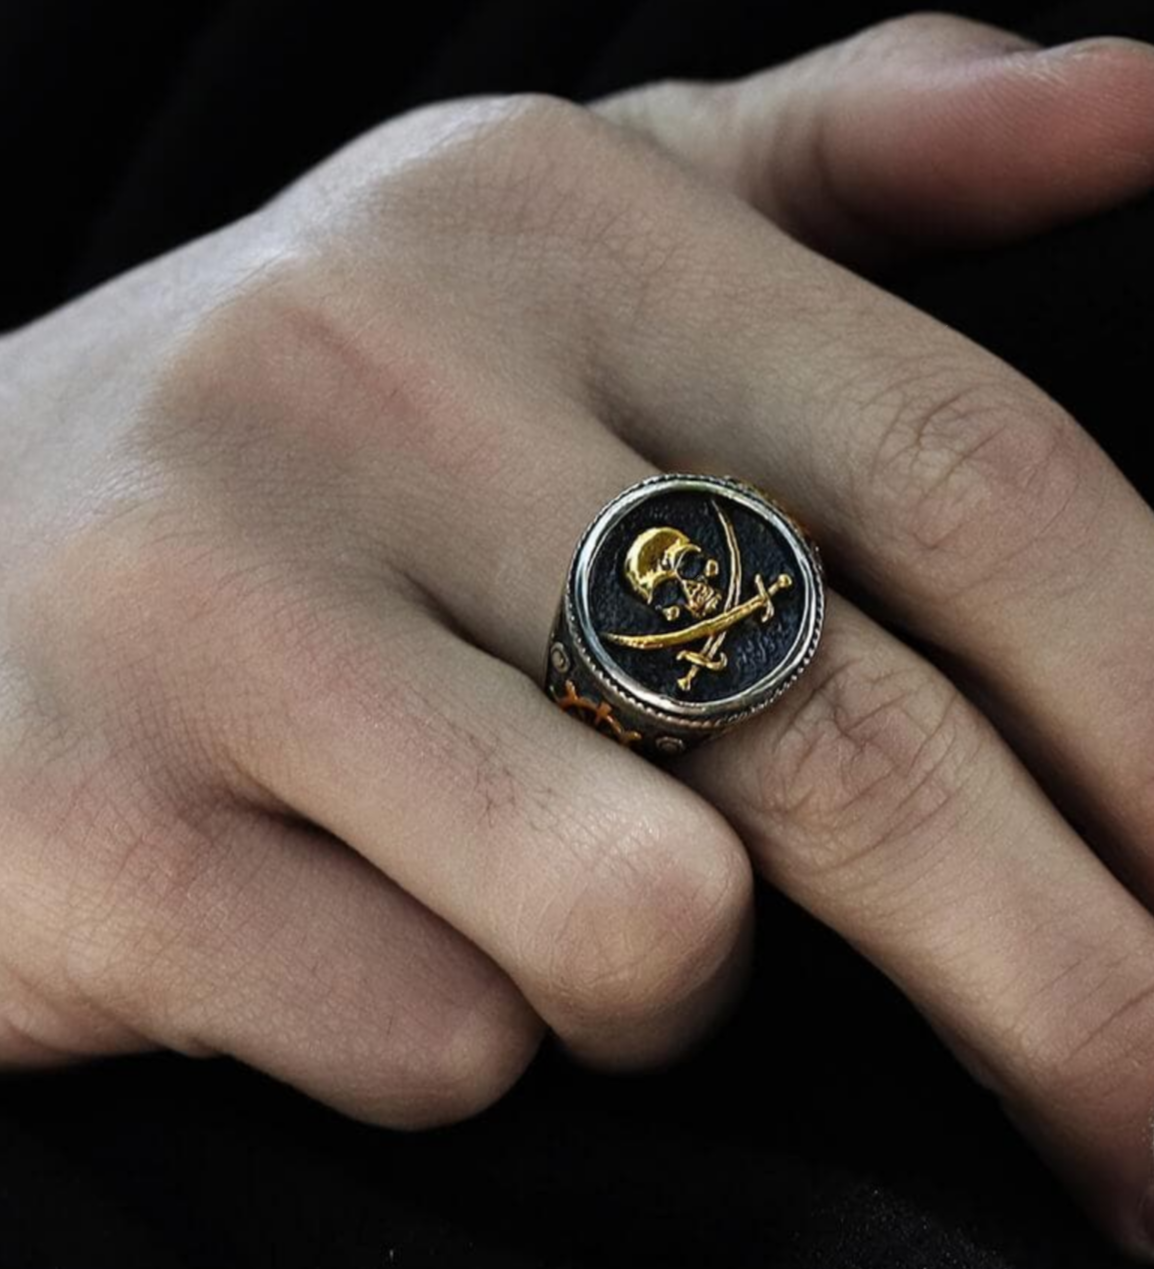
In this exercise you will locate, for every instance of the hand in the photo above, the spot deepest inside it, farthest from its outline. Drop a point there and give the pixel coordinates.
(284, 516)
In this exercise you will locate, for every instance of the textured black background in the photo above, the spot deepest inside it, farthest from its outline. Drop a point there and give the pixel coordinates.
(825, 1127)
(754, 649)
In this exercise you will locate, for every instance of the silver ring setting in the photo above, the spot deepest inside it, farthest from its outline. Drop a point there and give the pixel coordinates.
(692, 603)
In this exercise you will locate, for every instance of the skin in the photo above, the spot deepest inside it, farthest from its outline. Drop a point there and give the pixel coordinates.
(283, 517)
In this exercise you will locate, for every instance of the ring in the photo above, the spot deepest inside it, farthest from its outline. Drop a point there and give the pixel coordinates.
(692, 603)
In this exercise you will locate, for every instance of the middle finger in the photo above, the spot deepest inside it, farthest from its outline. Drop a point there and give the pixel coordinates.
(969, 507)
(687, 332)
(880, 798)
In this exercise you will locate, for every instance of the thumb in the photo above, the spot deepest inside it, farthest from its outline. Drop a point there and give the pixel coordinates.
(926, 130)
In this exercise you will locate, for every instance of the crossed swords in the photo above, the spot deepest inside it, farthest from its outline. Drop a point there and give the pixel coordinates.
(713, 629)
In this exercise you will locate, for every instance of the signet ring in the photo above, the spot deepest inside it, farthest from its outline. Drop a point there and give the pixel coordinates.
(692, 603)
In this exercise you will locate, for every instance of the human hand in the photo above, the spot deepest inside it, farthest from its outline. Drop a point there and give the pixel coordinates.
(285, 514)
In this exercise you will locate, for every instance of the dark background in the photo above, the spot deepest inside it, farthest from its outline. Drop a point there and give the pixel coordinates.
(825, 1126)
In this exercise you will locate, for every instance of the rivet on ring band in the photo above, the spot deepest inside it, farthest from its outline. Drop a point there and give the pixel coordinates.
(692, 603)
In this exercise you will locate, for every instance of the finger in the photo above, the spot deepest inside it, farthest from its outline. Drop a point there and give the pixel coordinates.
(963, 503)
(926, 129)
(268, 942)
(618, 901)
(877, 797)
(712, 341)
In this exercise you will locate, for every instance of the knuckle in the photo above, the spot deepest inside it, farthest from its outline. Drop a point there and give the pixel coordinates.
(912, 31)
(463, 168)
(879, 758)
(539, 122)
(103, 628)
(521, 160)
(223, 360)
(475, 1059)
(291, 358)
(21, 1042)
(147, 909)
(321, 378)
(970, 475)
(651, 921)
(506, 169)
(111, 862)
(35, 1031)
(87, 610)
(648, 110)
(558, 194)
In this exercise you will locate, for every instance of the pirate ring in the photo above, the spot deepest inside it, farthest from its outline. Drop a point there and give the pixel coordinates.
(692, 603)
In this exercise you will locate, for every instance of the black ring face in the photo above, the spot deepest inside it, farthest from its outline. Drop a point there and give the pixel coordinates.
(692, 601)
(750, 651)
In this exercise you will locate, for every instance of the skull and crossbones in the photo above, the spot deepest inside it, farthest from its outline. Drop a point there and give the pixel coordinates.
(663, 555)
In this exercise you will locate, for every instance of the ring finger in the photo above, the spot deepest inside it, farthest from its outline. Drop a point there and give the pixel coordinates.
(879, 797)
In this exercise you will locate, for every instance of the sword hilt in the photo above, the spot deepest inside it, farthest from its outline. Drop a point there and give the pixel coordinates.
(766, 593)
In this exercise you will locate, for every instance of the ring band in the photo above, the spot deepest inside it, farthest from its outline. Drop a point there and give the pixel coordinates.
(692, 603)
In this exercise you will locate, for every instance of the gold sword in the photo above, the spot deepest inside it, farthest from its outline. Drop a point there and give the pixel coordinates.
(711, 626)
(708, 656)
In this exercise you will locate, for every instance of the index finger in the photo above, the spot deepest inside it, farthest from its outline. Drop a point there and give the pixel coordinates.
(928, 128)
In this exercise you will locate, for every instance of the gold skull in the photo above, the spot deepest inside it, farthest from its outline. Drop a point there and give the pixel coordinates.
(660, 555)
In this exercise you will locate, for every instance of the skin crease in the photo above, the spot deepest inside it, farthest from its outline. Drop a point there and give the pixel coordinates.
(282, 533)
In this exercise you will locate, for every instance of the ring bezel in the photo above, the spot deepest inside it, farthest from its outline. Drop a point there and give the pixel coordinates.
(689, 715)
